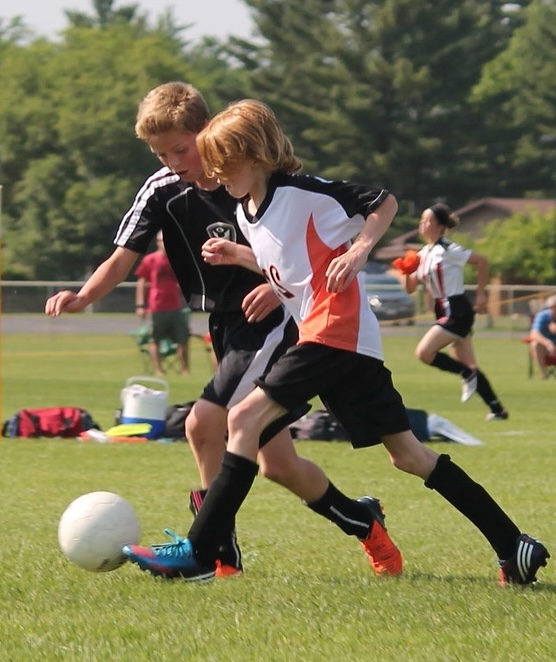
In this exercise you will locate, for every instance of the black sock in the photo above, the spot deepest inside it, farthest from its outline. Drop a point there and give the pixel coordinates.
(224, 498)
(229, 552)
(475, 503)
(448, 364)
(351, 516)
(196, 498)
(484, 389)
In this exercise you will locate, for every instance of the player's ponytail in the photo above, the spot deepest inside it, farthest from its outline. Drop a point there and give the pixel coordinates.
(444, 215)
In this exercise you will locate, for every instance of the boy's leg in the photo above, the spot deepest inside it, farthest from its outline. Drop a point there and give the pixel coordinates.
(280, 462)
(520, 556)
(472, 501)
(206, 429)
(195, 557)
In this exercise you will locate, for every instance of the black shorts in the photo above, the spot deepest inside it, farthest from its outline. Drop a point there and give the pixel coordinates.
(357, 389)
(460, 319)
(245, 351)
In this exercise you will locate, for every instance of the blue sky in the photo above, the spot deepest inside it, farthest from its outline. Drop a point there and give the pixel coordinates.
(210, 17)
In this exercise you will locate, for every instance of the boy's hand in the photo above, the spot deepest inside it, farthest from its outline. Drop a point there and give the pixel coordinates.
(343, 269)
(64, 302)
(261, 301)
(408, 263)
(219, 251)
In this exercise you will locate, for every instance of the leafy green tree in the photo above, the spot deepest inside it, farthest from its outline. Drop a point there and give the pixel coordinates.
(379, 89)
(522, 248)
(70, 161)
(105, 15)
(26, 117)
(520, 86)
(14, 31)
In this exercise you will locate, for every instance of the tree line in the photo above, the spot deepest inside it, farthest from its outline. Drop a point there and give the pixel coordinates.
(443, 100)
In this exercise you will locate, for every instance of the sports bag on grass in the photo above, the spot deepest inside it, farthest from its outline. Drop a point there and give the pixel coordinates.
(319, 424)
(48, 422)
(174, 427)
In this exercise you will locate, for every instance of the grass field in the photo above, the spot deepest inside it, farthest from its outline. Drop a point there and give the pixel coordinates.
(308, 593)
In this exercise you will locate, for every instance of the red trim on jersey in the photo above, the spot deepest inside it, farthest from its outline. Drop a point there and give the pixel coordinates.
(334, 318)
(442, 288)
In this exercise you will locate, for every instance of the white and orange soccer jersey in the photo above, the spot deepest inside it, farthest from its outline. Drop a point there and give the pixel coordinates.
(441, 269)
(302, 224)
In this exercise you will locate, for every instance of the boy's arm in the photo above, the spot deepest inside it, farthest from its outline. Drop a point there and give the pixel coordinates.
(109, 274)
(225, 252)
(262, 300)
(343, 269)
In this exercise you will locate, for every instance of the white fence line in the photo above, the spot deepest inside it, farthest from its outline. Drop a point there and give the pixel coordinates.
(29, 297)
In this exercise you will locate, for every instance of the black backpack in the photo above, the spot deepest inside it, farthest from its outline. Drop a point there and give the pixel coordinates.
(319, 424)
(174, 427)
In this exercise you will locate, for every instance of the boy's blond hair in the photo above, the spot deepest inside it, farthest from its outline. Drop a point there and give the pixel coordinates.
(174, 106)
(245, 131)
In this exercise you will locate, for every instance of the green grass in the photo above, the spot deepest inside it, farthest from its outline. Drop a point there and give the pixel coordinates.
(308, 593)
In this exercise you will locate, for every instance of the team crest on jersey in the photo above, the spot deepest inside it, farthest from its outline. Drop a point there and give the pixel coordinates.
(221, 230)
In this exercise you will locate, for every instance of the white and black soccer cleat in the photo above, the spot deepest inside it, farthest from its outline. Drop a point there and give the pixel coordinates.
(522, 566)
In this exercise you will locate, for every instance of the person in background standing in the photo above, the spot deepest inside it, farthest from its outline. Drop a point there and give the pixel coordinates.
(164, 304)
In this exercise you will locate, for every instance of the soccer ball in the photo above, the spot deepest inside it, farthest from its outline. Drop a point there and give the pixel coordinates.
(94, 528)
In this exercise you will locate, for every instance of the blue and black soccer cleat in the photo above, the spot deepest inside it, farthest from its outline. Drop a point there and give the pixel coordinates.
(171, 560)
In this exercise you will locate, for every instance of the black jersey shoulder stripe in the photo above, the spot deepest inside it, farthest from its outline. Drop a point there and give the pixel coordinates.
(354, 198)
(159, 179)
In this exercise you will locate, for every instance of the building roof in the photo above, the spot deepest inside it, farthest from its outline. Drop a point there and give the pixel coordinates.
(509, 205)
(493, 207)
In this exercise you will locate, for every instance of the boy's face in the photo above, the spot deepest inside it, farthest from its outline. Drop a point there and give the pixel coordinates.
(177, 150)
(242, 181)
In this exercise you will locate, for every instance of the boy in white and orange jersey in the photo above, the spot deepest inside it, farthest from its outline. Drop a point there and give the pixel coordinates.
(299, 229)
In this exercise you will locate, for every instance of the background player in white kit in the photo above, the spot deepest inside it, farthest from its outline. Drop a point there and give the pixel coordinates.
(441, 265)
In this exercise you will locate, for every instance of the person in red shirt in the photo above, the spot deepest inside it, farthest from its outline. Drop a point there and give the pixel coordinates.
(164, 304)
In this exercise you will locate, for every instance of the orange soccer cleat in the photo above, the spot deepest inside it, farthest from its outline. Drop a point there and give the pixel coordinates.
(385, 558)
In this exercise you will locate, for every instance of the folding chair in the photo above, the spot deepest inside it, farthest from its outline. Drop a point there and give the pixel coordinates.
(167, 348)
(550, 360)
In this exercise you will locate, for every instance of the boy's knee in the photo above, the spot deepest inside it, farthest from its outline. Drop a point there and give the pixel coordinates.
(278, 470)
(235, 417)
(203, 430)
(424, 355)
(419, 462)
(273, 472)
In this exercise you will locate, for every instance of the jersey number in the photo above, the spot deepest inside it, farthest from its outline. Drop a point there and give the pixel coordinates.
(273, 277)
